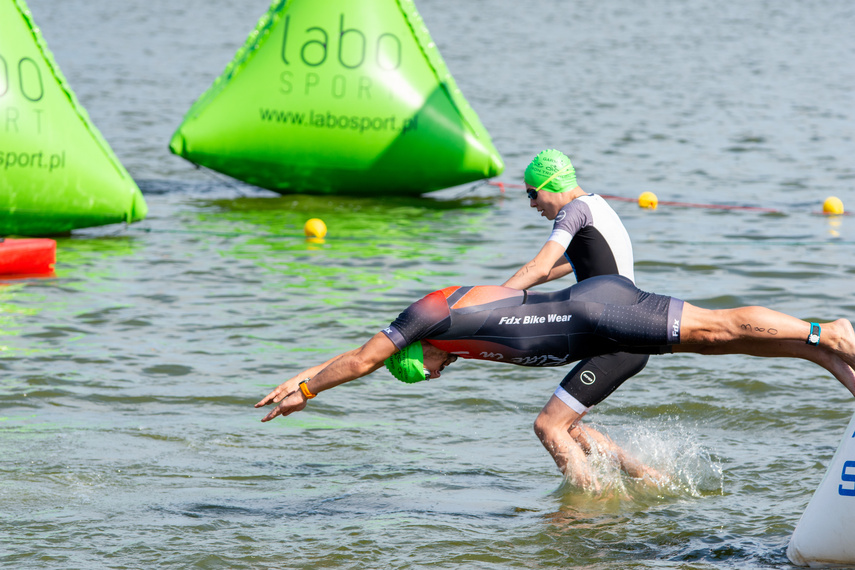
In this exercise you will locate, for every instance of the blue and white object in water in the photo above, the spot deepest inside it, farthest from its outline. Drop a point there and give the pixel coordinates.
(825, 535)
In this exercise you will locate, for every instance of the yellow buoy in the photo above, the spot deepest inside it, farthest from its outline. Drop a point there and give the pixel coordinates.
(315, 228)
(832, 205)
(648, 200)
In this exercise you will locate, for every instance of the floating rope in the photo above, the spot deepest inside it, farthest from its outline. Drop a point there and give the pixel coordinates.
(832, 205)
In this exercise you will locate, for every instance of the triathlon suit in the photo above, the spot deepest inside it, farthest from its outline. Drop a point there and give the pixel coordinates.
(596, 243)
(601, 315)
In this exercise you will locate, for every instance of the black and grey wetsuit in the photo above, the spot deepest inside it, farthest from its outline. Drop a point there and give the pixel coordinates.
(601, 315)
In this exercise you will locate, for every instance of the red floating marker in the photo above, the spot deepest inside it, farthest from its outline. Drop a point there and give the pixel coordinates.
(35, 256)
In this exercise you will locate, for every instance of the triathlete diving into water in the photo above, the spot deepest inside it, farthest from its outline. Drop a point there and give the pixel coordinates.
(601, 315)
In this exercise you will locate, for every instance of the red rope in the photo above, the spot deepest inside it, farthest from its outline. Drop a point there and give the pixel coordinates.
(504, 185)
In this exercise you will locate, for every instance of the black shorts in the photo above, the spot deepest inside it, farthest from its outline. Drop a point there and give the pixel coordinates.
(593, 379)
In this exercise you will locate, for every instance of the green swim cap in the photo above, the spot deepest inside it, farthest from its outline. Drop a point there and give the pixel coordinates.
(407, 365)
(552, 171)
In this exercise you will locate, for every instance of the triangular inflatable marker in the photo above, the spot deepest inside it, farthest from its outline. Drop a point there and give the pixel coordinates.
(825, 534)
(339, 97)
(57, 173)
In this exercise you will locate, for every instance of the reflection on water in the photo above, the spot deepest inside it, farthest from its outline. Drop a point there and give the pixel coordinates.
(364, 236)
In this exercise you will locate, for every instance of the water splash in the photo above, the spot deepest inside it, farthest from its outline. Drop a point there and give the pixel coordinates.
(679, 464)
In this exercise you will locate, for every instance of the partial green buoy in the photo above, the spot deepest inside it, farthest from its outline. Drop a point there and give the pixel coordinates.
(57, 173)
(339, 97)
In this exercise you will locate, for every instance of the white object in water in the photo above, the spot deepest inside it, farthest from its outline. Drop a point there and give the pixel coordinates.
(825, 535)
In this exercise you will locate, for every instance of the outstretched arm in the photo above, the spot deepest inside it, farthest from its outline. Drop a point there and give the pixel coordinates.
(548, 264)
(343, 368)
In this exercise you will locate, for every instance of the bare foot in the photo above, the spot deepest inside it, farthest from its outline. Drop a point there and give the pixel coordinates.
(842, 371)
(842, 341)
(655, 478)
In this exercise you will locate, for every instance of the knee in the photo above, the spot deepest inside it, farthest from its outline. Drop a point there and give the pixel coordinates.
(541, 426)
(545, 428)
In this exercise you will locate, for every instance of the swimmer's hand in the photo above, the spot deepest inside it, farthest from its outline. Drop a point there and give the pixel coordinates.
(289, 397)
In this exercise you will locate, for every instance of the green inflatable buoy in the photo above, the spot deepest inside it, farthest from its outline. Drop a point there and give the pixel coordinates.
(57, 173)
(338, 97)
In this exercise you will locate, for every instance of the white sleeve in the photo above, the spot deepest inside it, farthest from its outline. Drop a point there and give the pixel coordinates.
(563, 237)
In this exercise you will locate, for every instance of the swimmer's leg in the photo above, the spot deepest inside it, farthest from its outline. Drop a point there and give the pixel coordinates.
(552, 426)
(588, 438)
(840, 339)
(592, 380)
(789, 349)
(569, 443)
(760, 331)
(588, 384)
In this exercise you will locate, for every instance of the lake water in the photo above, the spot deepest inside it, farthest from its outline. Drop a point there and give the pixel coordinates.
(128, 435)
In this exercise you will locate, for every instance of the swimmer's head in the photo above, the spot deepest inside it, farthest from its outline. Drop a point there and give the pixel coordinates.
(407, 365)
(552, 171)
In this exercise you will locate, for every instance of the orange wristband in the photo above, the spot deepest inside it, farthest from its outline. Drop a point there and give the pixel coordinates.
(304, 387)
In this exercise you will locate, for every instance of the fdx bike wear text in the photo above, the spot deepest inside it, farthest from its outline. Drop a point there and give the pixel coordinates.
(534, 319)
(326, 119)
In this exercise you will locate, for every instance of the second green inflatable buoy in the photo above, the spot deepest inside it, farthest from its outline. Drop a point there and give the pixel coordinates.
(339, 97)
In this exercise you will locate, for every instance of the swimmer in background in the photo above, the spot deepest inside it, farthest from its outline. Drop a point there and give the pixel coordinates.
(601, 315)
(587, 239)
